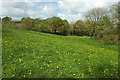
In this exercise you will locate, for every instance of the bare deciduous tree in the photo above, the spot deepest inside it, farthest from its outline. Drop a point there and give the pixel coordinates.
(96, 14)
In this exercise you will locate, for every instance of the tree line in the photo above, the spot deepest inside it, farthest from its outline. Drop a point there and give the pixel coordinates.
(100, 24)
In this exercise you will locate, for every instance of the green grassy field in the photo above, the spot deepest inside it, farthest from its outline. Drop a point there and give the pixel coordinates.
(41, 55)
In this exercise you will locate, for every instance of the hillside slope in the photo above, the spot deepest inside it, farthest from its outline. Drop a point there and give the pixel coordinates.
(35, 54)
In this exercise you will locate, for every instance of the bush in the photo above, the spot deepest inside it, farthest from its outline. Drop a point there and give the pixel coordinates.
(107, 31)
(94, 38)
(11, 24)
(115, 30)
(100, 35)
(110, 39)
(18, 25)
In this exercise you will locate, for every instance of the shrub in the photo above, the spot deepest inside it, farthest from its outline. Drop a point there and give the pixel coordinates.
(110, 39)
(115, 30)
(107, 31)
(94, 38)
(11, 24)
(18, 25)
(100, 35)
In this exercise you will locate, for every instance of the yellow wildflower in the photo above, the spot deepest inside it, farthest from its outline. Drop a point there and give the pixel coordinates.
(82, 74)
(106, 69)
(37, 57)
(50, 61)
(78, 60)
(30, 73)
(89, 69)
(20, 59)
(48, 65)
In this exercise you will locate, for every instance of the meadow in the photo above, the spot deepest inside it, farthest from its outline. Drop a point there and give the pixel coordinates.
(30, 54)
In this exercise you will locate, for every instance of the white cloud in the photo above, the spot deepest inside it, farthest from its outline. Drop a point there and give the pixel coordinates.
(17, 10)
(89, 0)
(30, 4)
(43, 11)
(0, 8)
(71, 7)
(71, 10)
(37, 0)
(99, 3)
(75, 9)
(13, 12)
(31, 12)
(15, 0)
(14, 9)
(29, 0)
(25, 9)
(49, 9)
(70, 17)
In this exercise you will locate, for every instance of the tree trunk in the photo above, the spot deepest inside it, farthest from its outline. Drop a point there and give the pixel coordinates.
(55, 31)
(93, 32)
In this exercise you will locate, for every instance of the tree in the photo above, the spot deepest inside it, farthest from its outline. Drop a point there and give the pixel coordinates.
(92, 27)
(118, 22)
(22, 18)
(96, 14)
(97, 17)
(43, 26)
(5, 20)
(80, 28)
(113, 11)
(106, 21)
(27, 23)
(37, 21)
(55, 23)
(65, 28)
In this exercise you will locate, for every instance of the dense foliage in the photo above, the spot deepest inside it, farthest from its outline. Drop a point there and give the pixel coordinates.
(5, 20)
(99, 24)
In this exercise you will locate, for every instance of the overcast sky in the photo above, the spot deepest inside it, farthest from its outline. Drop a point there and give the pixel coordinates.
(71, 10)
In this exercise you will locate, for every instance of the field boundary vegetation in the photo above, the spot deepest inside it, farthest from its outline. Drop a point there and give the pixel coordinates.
(100, 24)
